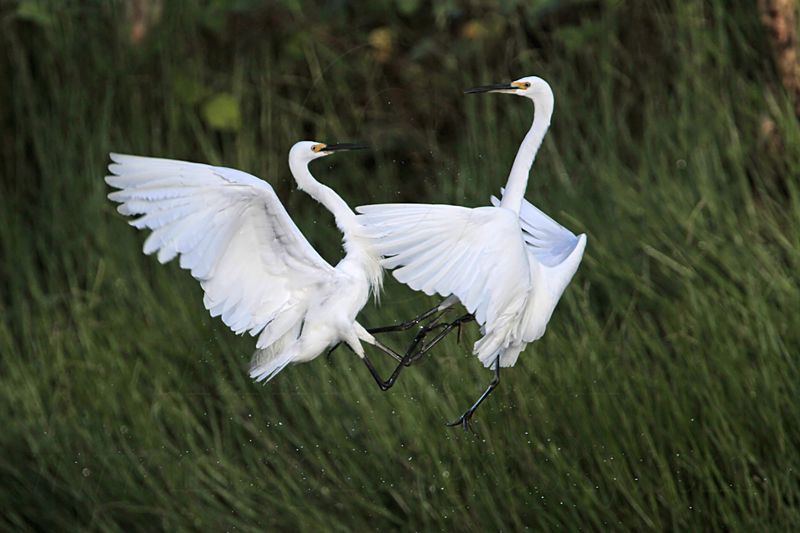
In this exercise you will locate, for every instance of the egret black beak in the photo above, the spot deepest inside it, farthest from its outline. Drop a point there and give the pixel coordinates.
(344, 146)
(491, 88)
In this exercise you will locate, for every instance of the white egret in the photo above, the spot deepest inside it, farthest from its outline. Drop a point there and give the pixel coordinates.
(507, 264)
(257, 270)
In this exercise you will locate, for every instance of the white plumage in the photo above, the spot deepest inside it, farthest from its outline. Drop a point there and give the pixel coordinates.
(257, 270)
(508, 264)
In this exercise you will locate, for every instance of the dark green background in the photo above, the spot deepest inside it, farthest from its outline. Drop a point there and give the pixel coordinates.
(664, 395)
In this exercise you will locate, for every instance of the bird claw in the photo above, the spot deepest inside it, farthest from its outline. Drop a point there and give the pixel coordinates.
(463, 421)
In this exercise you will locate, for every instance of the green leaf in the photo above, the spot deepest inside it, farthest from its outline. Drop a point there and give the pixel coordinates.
(222, 112)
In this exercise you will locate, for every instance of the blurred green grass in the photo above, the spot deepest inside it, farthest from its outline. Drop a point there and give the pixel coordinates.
(662, 397)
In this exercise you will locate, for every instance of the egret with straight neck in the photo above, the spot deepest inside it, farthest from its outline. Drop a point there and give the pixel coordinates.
(508, 263)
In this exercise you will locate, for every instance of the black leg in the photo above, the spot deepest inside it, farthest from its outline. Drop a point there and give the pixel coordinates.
(410, 354)
(383, 384)
(385, 349)
(419, 338)
(388, 351)
(331, 350)
(387, 384)
(466, 417)
(402, 326)
(445, 330)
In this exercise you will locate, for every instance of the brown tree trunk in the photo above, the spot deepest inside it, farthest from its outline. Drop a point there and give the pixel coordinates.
(780, 19)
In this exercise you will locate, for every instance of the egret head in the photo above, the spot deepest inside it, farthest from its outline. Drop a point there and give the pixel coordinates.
(531, 87)
(307, 151)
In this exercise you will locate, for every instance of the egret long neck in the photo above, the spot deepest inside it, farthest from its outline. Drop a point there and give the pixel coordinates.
(360, 256)
(518, 177)
(344, 216)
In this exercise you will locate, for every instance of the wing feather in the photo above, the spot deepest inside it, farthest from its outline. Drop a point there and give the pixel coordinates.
(547, 240)
(474, 253)
(555, 253)
(508, 269)
(231, 232)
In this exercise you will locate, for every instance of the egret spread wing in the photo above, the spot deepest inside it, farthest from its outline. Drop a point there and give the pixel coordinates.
(476, 254)
(555, 253)
(231, 231)
(547, 240)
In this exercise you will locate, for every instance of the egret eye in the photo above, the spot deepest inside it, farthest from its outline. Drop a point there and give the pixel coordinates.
(526, 84)
(317, 148)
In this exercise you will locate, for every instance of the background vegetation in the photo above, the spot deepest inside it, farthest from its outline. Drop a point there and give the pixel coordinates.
(664, 395)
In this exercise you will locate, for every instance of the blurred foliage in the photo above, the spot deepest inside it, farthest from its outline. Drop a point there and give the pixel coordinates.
(222, 112)
(662, 396)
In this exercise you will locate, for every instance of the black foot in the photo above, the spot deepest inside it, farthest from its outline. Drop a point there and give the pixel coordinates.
(463, 421)
(420, 346)
(433, 314)
(466, 418)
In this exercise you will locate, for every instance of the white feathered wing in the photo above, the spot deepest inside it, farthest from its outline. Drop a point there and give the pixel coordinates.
(233, 234)
(508, 270)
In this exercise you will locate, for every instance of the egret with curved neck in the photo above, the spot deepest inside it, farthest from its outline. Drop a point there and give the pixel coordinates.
(257, 270)
(507, 264)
